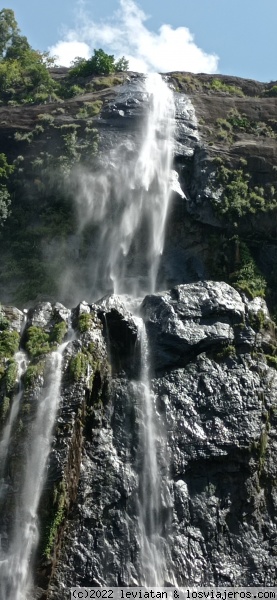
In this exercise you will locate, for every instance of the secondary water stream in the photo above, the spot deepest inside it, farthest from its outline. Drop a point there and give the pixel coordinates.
(153, 561)
(15, 569)
(21, 361)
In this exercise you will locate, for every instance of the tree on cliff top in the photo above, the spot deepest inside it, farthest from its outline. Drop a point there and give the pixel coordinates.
(24, 75)
(99, 64)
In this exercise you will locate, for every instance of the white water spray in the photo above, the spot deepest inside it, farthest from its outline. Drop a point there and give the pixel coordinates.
(128, 202)
(15, 571)
(154, 496)
(152, 559)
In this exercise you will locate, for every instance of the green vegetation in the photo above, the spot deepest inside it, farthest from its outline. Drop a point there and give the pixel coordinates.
(271, 360)
(187, 82)
(78, 366)
(259, 321)
(56, 518)
(219, 86)
(247, 278)
(236, 122)
(99, 64)
(11, 376)
(238, 198)
(231, 260)
(37, 341)
(271, 91)
(9, 342)
(90, 109)
(58, 333)
(193, 84)
(82, 363)
(85, 322)
(24, 74)
(4, 323)
(105, 82)
(228, 351)
(33, 372)
(5, 169)
(23, 137)
(5, 407)
(40, 342)
(46, 118)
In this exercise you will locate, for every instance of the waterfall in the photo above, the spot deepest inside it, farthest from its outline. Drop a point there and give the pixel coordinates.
(124, 204)
(127, 204)
(15, 572)
(153, 563)
(142, 188)
(21, 363)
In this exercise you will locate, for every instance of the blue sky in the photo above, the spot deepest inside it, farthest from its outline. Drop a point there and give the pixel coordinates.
(236, 37)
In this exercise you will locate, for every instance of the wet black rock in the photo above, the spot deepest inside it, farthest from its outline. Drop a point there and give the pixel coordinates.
(215, 401)
(191, 319)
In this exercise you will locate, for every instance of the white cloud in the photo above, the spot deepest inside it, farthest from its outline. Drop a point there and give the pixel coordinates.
(126, 34)
(67, 51)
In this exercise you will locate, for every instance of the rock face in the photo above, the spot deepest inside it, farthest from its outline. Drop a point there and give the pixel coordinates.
(227, 119)
(212, 346)
(215, 405)
(216, 401)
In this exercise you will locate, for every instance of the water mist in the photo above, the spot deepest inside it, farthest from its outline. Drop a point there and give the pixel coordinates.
(122, 206)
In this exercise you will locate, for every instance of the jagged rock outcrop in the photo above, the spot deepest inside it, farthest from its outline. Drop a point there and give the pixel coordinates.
(217, 405)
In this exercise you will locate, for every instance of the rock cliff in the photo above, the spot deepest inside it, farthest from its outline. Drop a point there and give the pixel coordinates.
(210, 328)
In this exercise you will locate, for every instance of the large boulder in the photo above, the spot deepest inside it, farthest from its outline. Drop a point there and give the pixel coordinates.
(189, 319)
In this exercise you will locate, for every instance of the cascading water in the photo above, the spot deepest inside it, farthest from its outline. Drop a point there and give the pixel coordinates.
(21, 362)
(15, 571)
(139, 190)
(142, 190)
(127, 204)
(124, 204)
(153, 492)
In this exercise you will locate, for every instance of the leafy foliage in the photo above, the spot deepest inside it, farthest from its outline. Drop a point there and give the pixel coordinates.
(38, 341)
(236, 122)
(85, 322)
(5, 407)
(272, 91)
(238, 198)
(83, 363)
(24, 76)
(9, 342)
(247, 277)
(219, 86)
(78, 366)
(99, 64)
(11, 376)
(90, 109)
(58, 332)
(32, 374)
(56, 517)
